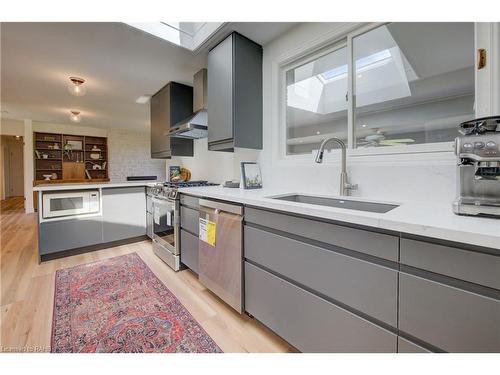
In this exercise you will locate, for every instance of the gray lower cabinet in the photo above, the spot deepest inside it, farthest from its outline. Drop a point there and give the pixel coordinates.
(376, 244)
(473, 266)
(63, 235)
(190, 219)
(191, 202)
(405, 346)
(124, 213)
(361, 285)
(307, 321)
(189, 250)
(447, 317)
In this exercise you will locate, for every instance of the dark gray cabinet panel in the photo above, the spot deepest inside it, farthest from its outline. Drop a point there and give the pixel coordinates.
(466, 265)
(405, 346)
(189, 250)
(173, 103)
(308, 322)
(123, 213)
(63, 235)
(220, 92)
(451, 319)
(192, 202)
(367, 287)
(235, 94)
(247, 94)
(372, 243)
(190, 220)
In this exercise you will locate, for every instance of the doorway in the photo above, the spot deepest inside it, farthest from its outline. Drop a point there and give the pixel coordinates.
(12, 165)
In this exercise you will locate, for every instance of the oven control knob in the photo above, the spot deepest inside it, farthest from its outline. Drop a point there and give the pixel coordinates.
(478, 145)
(467, 146)
(491, 145)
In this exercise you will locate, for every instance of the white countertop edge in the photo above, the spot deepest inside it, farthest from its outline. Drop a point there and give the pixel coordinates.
(98, 185)
(433, 220)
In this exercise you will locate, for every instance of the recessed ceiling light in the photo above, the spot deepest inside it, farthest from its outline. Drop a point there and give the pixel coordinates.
(364, 126)
(75, 116)
(76, 87)
(318, 132)
(142, 99)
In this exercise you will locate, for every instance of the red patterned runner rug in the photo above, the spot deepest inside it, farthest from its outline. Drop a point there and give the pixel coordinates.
(119, 305)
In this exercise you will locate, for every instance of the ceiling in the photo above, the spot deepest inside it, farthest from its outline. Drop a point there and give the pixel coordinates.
(118, 62)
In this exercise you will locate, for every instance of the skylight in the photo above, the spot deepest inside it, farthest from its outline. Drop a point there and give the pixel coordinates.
(366, 63)
(189, 35)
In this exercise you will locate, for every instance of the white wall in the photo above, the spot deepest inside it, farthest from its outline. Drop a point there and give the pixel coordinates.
(130, 155)
(214, 166)
(28, 166)
(11, 127)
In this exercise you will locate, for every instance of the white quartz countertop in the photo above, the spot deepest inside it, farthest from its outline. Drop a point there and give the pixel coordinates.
(80, 186)
(435, 220)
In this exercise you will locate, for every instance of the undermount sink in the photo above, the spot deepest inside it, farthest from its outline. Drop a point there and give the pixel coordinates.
(380, 208)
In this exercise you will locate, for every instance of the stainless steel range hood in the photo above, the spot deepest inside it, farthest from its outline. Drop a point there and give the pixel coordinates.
(195, 126)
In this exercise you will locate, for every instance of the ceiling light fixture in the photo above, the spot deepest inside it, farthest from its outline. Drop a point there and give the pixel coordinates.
(76, 87)
(75, 116)
(142, 99)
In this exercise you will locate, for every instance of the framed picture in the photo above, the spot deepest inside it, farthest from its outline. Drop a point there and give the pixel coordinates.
(75, 145)
(250, 175)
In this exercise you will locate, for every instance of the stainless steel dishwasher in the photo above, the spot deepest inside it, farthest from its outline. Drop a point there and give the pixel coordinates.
(221, 251)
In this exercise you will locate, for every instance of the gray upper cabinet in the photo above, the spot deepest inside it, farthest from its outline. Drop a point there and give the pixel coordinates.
(173, 103)
(235, 94)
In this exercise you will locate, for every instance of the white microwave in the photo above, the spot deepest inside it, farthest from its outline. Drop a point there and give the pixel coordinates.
(70, 203)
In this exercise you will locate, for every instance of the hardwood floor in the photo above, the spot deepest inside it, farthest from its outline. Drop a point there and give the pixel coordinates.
(27, 292)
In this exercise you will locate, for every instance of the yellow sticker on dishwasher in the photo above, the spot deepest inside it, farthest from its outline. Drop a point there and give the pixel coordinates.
(207, 231)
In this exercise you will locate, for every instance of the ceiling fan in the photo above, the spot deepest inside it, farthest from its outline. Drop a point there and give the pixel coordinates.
(378, 139)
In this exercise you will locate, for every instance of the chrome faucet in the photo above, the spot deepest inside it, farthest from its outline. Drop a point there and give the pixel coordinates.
(345, 186)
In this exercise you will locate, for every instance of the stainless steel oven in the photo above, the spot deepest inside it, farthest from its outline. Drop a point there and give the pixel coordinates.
(166, 227)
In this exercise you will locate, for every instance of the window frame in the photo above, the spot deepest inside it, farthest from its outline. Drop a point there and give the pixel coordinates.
(329, 45)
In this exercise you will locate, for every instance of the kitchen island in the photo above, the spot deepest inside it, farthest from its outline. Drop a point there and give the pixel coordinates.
(74, 218)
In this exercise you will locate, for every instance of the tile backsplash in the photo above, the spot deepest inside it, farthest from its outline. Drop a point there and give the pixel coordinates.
(129, 155)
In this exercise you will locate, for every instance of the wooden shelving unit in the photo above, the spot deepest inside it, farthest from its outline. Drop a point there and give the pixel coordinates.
(70, 158)
(96, 154)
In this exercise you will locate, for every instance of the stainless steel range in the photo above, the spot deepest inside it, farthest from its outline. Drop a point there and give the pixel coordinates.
(163, 219)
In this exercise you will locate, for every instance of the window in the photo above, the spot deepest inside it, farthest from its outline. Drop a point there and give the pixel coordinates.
(316, 105)
(413, 83)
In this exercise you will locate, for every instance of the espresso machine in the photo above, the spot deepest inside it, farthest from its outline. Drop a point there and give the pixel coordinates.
(478, 170)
